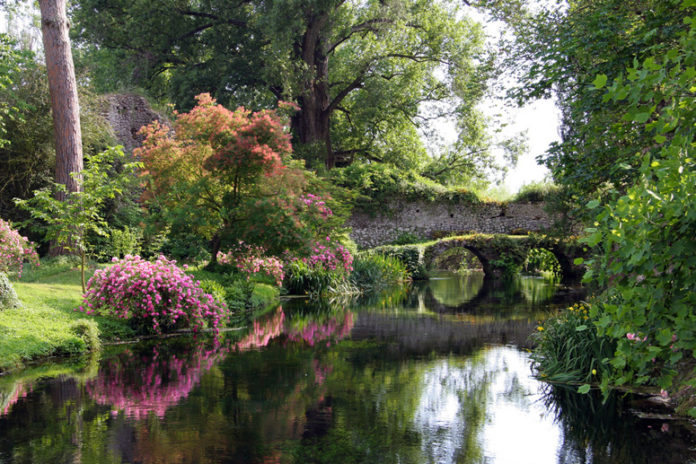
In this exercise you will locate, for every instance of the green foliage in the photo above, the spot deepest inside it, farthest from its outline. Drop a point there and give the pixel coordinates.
(376, 183)
(407, 238)
(8, 296)
(88, 331)
(574, 51)
(27, 160)
(536, 192)
(361, 72)
(570, 350)
(542, 261)
(644, 239)
(301, 279)
(410, 255)
(374, 272)
(69, 221)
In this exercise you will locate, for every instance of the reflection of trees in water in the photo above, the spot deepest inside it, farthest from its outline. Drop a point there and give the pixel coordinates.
(604, 432)
(475, 294)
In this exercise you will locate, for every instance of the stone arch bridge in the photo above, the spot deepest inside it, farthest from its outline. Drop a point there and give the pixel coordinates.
(495, 251)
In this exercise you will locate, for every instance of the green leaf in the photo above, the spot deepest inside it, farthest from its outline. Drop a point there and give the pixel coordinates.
(578, 261)
(592, 204)
(600, 81)
(584, 389)
(581, 328)
(641, 117)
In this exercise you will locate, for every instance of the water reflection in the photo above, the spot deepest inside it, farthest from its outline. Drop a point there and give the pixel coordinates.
(143, 381)
(388, 381)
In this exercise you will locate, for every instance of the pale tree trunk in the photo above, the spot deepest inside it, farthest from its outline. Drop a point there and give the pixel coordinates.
(63, 89)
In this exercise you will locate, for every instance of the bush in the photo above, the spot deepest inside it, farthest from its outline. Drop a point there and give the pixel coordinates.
(156, 297)
(374, 271)
(88, 331)
(252, 261)
(8, 296)
(568, 348)
(14, 249)
(407, 238)
(410, 255)
(536, 192)
(378, 182)
(303, 278)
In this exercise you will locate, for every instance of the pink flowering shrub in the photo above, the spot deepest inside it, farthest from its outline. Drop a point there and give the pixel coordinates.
(14, 249)
(159, 296)
(330, 256)
(315, 203)
(251, 260)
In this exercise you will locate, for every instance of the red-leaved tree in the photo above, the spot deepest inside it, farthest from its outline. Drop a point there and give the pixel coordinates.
(227, 176)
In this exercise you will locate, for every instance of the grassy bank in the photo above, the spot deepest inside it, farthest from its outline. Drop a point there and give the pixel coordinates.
(47, 324)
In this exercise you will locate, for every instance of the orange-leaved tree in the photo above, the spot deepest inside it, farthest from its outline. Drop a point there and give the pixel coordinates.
(225, 175)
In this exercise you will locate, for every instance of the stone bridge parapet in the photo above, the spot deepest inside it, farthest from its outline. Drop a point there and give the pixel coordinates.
(432, 219)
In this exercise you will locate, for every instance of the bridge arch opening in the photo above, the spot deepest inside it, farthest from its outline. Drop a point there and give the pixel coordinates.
(542, 262)
(456, 259)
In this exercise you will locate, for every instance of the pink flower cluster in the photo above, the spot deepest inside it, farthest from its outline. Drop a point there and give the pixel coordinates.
(330, 256)
(15, 249)
(636, 338)
(251, 260)
(160, 294)
(317, 202)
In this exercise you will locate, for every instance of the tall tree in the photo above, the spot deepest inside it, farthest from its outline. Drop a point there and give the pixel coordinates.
(561, 51)
(361, 71)
(63, 89)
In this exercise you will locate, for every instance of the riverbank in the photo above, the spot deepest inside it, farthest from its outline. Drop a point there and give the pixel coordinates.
(47, 324)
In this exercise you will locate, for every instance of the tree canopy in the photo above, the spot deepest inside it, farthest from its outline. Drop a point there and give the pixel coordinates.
(560, 51)
(369, 76)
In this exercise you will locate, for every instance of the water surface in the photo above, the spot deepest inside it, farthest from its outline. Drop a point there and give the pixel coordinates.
(437, 373)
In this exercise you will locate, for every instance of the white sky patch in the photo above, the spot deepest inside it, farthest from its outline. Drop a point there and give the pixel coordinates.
(539, 119)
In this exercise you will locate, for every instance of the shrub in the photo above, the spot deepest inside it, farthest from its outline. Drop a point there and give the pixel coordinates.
(14, 249)
(568, 348)
(374, 271)
(88, 331)
(158, 297)
(406, 238)
(303, 278)
(410, 255)
(251, 260)
(536, 192)
(8, 296)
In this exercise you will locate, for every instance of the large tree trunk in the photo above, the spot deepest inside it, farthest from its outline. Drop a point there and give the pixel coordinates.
(63, 89)
(64, 103)
(311, 123)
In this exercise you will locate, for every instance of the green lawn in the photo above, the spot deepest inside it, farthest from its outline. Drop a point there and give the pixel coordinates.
(46, 324)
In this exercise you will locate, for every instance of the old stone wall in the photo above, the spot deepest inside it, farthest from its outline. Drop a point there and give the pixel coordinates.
(127, 113)
(427, 219)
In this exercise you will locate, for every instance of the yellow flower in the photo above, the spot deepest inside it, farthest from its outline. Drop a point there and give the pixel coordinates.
(540, 329)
